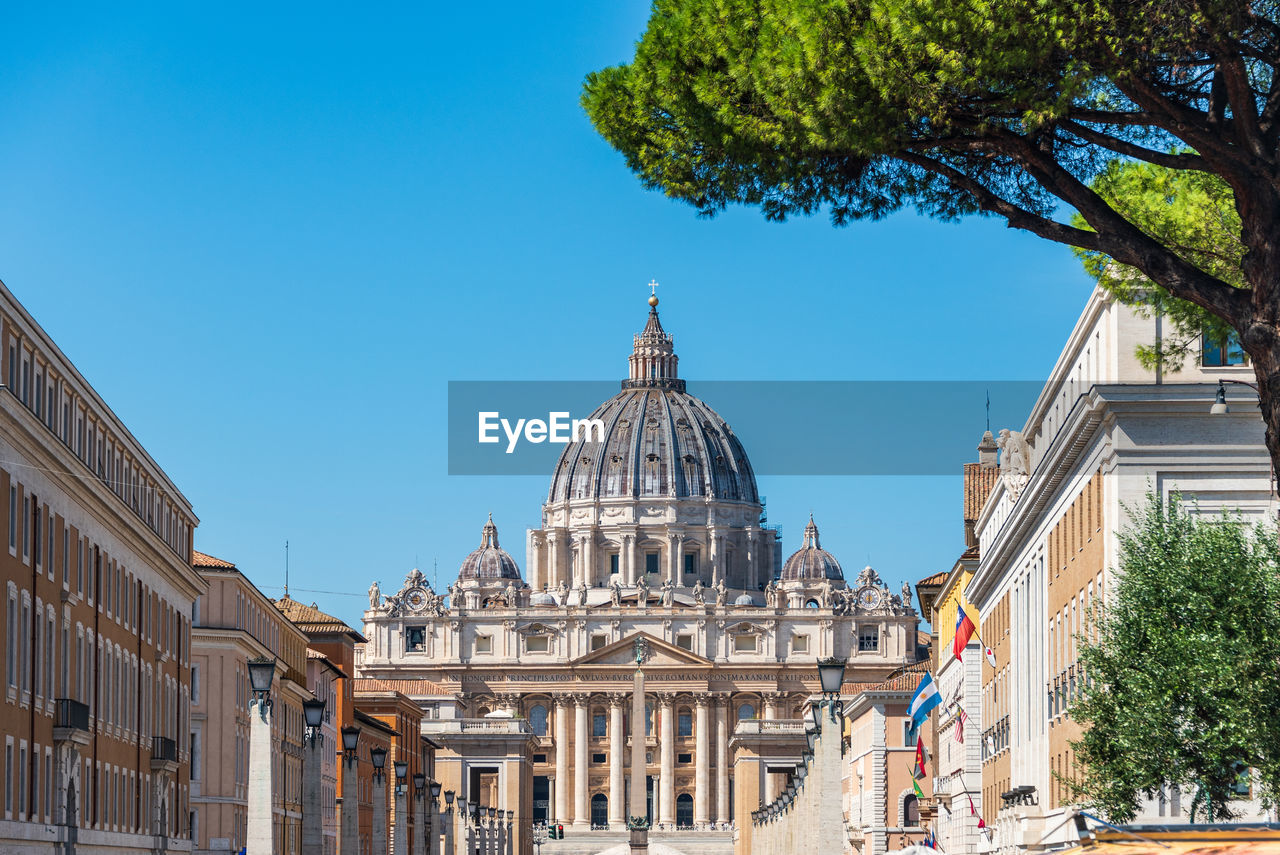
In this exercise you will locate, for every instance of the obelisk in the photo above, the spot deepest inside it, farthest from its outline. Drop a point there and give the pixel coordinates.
(638, 814)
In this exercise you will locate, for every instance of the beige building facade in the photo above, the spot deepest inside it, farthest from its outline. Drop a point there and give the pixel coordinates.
(97, 591)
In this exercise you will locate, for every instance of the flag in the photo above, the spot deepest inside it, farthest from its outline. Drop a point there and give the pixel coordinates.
(961, 718)
(919, 771)
(915, 785)
(972, 812)
(964, 631)
(990, 654)
(925, 699)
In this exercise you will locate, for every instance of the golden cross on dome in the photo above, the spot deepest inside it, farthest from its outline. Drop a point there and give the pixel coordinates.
(653, 292)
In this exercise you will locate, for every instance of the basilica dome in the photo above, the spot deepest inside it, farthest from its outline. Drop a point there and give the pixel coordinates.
(659, 441)
(489, 562)
(811, 563)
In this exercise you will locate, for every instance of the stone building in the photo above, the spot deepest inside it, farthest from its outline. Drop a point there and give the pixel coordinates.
(235, 622)
(1104, 431)
(652, 529)
(97, 592)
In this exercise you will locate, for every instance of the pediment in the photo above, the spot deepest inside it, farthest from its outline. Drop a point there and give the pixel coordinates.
(622, 652)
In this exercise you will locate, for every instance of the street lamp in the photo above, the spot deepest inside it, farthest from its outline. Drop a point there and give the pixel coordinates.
(831, 676)
(350, 783)
(378, 836)
(262, 671)
(401, 829)
(313, 747)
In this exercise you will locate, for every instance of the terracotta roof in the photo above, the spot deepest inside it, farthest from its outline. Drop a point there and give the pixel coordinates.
(923, 638)
(904, 679)
(404, 687)
(311, 619)
(978, 484)
(199, 559)
(936, 579)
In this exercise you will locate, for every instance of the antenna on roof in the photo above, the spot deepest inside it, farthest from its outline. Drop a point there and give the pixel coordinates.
(988, 409)
(435, 577)
(286, 568)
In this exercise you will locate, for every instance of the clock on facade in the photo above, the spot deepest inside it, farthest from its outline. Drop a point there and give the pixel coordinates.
(869, 597)
(416, 598)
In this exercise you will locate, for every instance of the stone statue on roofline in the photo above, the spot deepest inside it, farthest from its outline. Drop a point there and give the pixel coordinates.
(722, 592)
(375, 596)
(698, 596)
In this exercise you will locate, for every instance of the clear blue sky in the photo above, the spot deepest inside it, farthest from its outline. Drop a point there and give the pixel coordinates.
(270, 236)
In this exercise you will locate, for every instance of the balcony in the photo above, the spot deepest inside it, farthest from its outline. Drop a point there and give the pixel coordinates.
(71, 721)
(767, 726)
(164, 754)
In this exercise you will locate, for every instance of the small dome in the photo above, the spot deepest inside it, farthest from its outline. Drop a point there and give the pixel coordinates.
(543, 598)
(811, 563)
(744, 600)
(489, 562)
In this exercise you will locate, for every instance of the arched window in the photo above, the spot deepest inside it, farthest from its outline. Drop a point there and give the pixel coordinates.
(746, 711)
(599, 811)
(684, 811)
(538, 719)
(910, 811)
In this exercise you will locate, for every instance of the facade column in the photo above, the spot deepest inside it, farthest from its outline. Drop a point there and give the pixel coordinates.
(770, 705)
(535, 561)
(634, 552)
(617, 742)
(667, 772)
(553, 559)
(714, 543)
(752, 572)
(671, 557)
(581, 814)
(724, 717)
(589, 558)
(702, 757)
(562, 759)
(680, 580)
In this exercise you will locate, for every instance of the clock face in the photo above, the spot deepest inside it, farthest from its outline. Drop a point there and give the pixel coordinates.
(869, 597)
(416, 598)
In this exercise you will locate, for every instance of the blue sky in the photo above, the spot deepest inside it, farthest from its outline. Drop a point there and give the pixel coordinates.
(270, 236)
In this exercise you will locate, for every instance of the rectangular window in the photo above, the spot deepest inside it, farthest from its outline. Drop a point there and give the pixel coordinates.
(869, 638)
(1217, 353)
(80, 566)
(415, 638)
(598, 759)
(66, 556)
(684, 759)
(799, 644)
(690, 567)
(13, 517)
(11, 643)
(195, 684)
(484, 644)
(651, 562)
(684, 640)
(598, 641)
(8, 780)
(613, 564)
(537, 644)
(684, 724)
(744, 643)
(599, 724)
(26, 527)
(22, 783)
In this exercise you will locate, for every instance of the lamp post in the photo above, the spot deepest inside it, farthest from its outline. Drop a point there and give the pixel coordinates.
(349, 834)
(258, 833)
(433, 812)
(462, 839)
(378, 838)
(312, 766)
(448, 822)
(419, 800)
(539, 836)
(399, 831)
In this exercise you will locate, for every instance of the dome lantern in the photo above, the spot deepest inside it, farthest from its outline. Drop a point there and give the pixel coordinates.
(811, 563)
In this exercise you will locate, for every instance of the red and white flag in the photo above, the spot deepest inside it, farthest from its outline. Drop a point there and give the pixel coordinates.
(990, 654)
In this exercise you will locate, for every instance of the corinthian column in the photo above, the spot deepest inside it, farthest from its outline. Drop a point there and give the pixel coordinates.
(702, 757)
(667, 773)
(617, 809)
(724, 718)
(562, 759)
(553, 559)
(581, 816)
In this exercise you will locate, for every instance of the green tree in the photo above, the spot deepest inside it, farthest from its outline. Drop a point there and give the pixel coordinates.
(1010, 108)
(1183, 664)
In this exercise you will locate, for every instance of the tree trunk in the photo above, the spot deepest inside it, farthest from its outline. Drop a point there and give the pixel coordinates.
(1266, 367)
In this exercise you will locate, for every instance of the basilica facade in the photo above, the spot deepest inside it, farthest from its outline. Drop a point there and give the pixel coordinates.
(653, 529)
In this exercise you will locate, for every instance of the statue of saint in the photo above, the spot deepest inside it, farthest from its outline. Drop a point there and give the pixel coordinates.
(642, 592)
(582, 593)
(771, 595)
(697, 593)
(563, 591)
(509, 594)
(826, 593)
(906, 595)
(668, 593)
(615, 594)
(375, 596)
(722, 592)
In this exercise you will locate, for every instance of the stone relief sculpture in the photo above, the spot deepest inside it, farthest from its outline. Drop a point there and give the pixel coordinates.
(1015, 461)
(698, 596)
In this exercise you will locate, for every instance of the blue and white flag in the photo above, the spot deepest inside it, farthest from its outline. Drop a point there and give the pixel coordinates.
(925, 699)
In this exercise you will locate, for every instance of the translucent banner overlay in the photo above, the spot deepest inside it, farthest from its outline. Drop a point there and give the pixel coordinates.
(856, 427)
